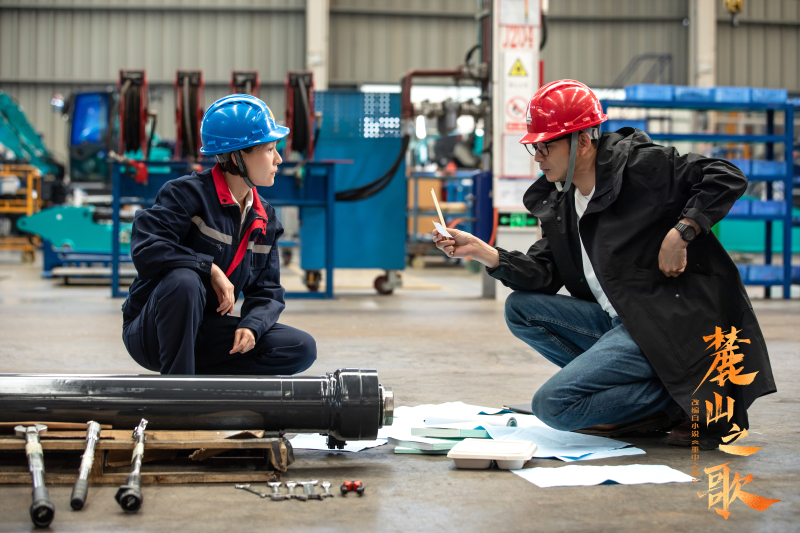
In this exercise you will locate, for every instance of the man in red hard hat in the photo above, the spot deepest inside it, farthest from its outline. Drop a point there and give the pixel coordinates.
(626, 228)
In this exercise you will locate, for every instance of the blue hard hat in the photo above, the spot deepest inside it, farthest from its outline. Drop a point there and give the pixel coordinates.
(238, 121)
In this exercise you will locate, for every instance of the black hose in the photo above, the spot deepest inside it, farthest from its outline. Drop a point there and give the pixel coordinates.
(152, 134)
(374, 187)
(469, 54)
(300, 128)
(188, 133)
(544, 32)
(113, 115)
(133, 119)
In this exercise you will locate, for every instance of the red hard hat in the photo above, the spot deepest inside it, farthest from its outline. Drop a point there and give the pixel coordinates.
(559, 108)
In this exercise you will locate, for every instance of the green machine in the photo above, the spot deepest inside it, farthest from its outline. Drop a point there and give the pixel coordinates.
(75, 228)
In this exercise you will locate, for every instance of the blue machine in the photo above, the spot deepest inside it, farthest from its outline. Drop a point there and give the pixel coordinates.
(363, 129)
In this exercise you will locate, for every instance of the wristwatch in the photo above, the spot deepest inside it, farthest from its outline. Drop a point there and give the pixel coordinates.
(687, 232)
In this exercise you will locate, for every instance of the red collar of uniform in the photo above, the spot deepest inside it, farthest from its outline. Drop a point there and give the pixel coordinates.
(224, 192)
(257, 205)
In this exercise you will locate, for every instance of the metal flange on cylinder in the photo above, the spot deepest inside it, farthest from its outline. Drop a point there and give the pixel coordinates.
(348, 404)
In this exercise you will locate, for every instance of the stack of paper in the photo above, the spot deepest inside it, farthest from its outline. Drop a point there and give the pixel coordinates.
(437, 428)
(447, 432)
(434, 429)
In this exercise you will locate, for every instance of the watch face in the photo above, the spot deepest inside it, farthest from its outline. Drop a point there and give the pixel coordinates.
(689, 233)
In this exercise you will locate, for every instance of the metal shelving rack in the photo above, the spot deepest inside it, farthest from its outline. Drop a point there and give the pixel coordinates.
(782, 275)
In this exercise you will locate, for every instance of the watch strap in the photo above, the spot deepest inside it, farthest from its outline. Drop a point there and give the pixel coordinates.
(681, 227)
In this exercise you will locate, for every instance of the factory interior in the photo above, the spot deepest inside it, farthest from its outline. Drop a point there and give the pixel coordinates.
(510, 265)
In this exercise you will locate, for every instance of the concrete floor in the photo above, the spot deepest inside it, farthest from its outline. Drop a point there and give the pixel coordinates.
(434, 343)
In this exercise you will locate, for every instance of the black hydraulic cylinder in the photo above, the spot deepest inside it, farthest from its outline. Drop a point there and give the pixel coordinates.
(348, 404)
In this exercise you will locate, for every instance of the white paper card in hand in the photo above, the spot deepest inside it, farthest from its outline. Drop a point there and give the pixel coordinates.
(442, 230)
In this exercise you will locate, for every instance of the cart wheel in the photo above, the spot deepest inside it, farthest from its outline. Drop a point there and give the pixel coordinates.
(287, 258)
(418, 262)
(382, 285)
(28, 257)
(313, 279)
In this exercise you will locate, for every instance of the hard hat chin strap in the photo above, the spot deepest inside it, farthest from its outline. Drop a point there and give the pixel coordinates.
(239, 160)
(573, 152)
(594, 134)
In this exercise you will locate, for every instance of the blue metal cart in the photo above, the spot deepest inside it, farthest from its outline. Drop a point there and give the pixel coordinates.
(361, 132)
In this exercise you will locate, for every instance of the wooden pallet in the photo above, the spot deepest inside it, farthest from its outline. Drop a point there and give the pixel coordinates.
(216, 457)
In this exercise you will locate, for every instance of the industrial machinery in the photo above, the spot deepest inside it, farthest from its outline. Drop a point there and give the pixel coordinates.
(91, 132)
(300, 113)
(348, 404)
(106, 125)
(21, 144)
(245, 82)
(29, 176)
(20, 195)
(189, 94)
(134, 102)
(102, 120)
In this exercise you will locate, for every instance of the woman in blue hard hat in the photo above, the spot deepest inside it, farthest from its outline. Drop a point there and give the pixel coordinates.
(208, 237)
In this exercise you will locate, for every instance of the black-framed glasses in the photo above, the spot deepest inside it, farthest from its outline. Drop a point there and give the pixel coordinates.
(543, 147)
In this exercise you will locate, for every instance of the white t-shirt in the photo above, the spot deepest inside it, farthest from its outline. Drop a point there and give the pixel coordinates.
(581, 202)
(248, 203)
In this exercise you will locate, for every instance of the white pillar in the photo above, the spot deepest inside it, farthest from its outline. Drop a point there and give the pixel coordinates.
(702, 43)
(317, 30)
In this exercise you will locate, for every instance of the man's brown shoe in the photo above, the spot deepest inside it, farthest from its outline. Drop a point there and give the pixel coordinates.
(656, 422)
(681, 435)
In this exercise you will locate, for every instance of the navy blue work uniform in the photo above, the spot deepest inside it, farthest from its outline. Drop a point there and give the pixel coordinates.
(169, 320)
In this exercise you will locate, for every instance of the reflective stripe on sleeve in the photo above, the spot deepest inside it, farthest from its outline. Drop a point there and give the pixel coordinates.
(211, 232)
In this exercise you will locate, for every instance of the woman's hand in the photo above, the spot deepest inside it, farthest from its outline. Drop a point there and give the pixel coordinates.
(224, 289)
(464, 244)
(243, 341)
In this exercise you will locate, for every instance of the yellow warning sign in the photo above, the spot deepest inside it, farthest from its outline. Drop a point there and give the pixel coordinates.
(518, 69)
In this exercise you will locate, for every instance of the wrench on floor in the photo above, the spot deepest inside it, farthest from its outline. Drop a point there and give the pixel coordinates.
(248, 488)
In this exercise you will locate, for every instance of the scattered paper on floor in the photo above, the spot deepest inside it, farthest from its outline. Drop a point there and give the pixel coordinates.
(320, 442)
(579, 475)
(603, 455)
(554, 443)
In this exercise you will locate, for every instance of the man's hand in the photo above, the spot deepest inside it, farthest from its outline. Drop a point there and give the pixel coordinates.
(243, 341)
(464, 244)
(672, 257)
(224, 289)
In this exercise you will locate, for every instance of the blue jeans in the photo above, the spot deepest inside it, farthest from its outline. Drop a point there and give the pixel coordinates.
(604, 378)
